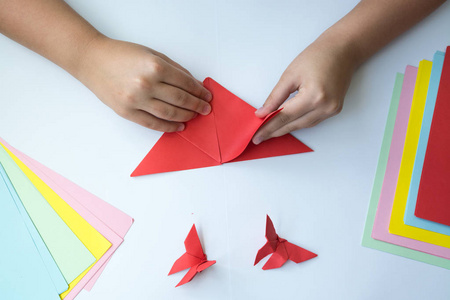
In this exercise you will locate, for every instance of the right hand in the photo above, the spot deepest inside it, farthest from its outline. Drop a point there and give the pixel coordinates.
(142, 85)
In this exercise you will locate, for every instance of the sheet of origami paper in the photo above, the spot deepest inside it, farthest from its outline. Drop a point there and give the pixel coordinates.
(220, 137)
(381, 223)
(409, 217)
(281, 250)
(397, 225)
(23, 274)
(90, 207)
(394, 244)
(51, 266)
(94, 241)
(194, 259)
(97, 242)
(69, 253)
(433, 201)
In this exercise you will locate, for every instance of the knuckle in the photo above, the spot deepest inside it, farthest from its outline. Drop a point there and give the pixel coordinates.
(123, 112)
(291, 127)
(333, 108)
(320, 98)
(141, 83)
(129, 99)
(168, 113)
(313, 124)
(191, 85)
(156, 65)
(150, 124)
(182, 99)
(284, 119)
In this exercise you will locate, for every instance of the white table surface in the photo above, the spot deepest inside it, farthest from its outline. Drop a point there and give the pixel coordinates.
(317, 200)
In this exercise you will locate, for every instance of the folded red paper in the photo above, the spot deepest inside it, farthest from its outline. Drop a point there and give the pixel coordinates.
(433, 199)
(194, 258)
(282, 250)
(222, 136)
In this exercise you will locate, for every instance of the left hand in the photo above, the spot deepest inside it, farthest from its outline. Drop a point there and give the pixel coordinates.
(321, 74)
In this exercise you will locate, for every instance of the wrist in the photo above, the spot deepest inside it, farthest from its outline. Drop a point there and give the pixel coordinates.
(342, 46)
(88, 56)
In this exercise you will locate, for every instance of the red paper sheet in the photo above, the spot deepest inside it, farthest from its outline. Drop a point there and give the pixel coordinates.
(433, 200)
(222, 136)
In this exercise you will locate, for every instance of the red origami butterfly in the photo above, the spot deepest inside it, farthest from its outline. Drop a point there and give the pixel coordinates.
(194, 258)
(282, 250)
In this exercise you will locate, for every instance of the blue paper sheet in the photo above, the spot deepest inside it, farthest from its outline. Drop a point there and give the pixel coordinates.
(23, 274)
(410, 218)
(52, 268)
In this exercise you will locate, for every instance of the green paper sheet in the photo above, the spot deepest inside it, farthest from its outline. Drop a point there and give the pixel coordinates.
(367, 240)
(69, 253)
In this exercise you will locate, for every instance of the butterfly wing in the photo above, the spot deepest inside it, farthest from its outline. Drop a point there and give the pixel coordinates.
(184, 262)
(188, 276)
(193, 245)
(205, 265)
(271, 234)
(298, 254)
(278, 258)
(263, 252)
(272, 241)
(194, 253)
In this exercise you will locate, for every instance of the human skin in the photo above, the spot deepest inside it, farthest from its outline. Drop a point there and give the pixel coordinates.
(138, 83)
(322, 72)
(145, 86)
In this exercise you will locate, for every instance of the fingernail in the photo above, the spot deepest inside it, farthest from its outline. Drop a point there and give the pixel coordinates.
(208, 97)
(181, 127)
(206, 110)
(257, 140)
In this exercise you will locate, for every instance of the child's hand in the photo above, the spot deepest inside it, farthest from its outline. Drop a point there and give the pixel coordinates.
(142, 85)
(321, 74)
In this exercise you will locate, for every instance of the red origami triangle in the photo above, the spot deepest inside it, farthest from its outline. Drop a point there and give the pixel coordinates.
(222, 136)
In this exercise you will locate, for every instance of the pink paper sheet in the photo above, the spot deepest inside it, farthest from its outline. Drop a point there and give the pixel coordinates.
(94, 210)
(381, 226)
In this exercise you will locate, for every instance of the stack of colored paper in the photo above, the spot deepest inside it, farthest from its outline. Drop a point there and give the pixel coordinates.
(409, 211)
(56, 238)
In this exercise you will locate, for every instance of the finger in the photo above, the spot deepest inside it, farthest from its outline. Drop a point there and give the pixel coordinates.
(147, 120)
(293, 109)
(181, 99)
(166, 111)
(170, 61)
(316, 122)
(307, 120)
(177, 78)
(279, 94)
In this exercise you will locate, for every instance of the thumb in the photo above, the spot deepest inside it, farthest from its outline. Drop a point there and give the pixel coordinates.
(279, 94)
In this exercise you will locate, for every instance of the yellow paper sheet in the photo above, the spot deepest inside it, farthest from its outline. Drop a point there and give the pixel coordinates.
(397, 225)
(96, 243)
